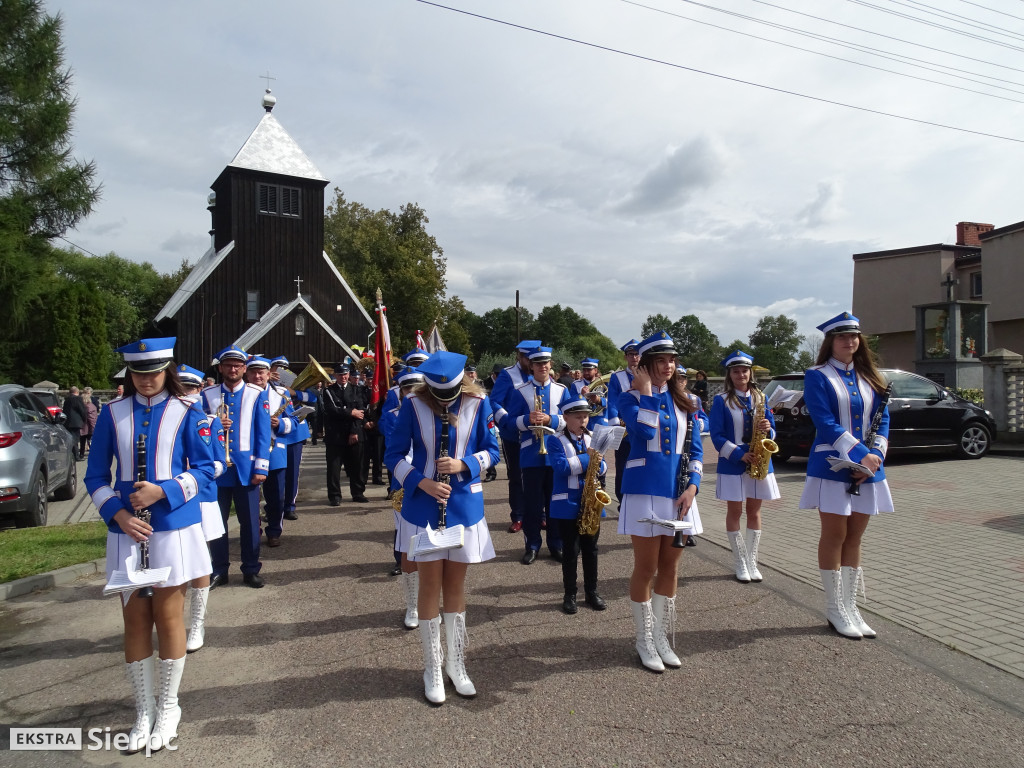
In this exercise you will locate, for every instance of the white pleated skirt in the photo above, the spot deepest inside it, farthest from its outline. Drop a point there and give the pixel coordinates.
(213, 523)
(831, 496)
(636, 505)
(476, 547)
(743, 487)
(183, 549)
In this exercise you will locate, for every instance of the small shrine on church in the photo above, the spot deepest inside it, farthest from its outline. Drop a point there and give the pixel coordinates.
(951, 337)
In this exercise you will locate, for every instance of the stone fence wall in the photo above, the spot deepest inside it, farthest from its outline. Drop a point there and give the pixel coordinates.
(1004, 392)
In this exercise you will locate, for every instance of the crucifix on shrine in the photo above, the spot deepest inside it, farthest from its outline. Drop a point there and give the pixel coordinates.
(949, 284)
(951, 335)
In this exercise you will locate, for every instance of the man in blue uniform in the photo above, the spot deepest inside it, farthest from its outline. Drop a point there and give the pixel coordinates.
(245, 414)
(282, 425)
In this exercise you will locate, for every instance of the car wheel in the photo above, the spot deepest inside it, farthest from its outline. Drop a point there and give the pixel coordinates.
(781, 457)
(974, 441)
(36, 515)
(67, 491)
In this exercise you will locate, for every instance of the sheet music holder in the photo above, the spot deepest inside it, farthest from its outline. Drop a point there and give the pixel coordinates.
(287, 378)
(837, 464)
(784, 397)
(300, 414)
(126, 582)
(430, 540)
(605, 438)
(673, 525)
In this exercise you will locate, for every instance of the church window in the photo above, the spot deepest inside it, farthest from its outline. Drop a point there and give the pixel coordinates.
(300, 325)
(276, 200)
(975, 285)
(252, 305)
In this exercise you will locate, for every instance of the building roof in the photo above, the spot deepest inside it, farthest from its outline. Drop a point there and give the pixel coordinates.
(279, 312)
(270, 149)
(1008, 229)
(959, 249)
(195, 278)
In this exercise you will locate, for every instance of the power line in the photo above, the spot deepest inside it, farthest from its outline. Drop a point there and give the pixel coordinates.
(716, 75)
(76, 245)
(993, 10)
(851, 46)
(919, 20)
(967, 21)
(887, 37)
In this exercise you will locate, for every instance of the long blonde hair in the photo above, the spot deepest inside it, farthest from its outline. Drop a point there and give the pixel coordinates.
(864, 361)
(422, 391)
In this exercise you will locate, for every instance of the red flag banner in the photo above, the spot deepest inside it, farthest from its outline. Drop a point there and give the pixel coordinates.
(381, 354)
(419, 341)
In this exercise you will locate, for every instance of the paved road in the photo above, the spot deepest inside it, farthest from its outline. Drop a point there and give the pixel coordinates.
(315, 668)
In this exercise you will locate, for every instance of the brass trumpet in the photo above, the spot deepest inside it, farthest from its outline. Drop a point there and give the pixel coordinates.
(223, 412)
(540, 431)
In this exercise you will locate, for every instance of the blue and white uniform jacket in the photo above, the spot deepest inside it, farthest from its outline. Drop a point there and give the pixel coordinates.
(520, 405)
(729, 426)
(620, 382)
(842, 405)
(249, 439)
(569, 460)
(209, 493)
(418, 430)
(657, 429)
(179, 458)
(388, 422)
(306, 397)
(287, 426)
(577, 391)
(508, 380)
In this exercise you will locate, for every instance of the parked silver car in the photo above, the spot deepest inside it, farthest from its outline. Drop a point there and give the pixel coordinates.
(37, 457)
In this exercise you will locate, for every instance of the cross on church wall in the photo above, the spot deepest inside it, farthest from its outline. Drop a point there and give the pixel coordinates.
(949, 284)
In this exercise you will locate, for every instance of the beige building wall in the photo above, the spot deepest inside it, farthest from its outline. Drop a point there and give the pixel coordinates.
(886, 288)
(896, 350)
(1002, 281)
(1008, 334)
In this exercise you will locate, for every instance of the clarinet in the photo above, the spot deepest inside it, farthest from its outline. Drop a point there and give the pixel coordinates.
(442, 504)
(142, 514)
(683, 478)
(869, 438)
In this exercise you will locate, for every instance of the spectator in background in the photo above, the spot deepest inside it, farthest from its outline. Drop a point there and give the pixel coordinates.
(700, 388)
(77, 418)
(92, 409)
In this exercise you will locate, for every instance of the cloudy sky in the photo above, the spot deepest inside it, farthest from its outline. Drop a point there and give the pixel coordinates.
(604, 154)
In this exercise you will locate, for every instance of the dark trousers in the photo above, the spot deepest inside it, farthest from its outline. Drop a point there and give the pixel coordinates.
(247, 509)
(574, 546)
(515, 479)
(621, 456)
(75, 433)
(373, 453)
(273, 494)
(291, 475)
(537, 483)
(352, 457)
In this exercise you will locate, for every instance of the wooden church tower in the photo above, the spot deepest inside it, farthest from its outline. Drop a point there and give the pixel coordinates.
(266, 283)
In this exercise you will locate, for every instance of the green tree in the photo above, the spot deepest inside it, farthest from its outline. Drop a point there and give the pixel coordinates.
(74, 348)
(455, 324)
(698, 346)
(654, 323)
(495, 332)
(775, 343)
(392, 251)
(43, 190)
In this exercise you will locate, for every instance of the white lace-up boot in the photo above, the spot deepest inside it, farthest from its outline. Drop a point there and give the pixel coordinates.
(433, 657)
(835, 611)
(852, 578)
(739, 556)
(142, 675)
(197, 618)
(168, 713)
(664, 610)
(455, 665)
(753, 540)
(411, 582)
(643, 617)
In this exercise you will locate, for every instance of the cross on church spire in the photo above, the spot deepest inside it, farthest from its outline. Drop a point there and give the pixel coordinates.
(298, 285)
(268, 77)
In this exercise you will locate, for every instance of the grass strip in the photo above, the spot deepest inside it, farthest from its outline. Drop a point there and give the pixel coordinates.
(28, 551)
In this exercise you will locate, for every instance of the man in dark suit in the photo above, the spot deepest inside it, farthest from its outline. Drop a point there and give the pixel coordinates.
(344, 411)
(77, 417)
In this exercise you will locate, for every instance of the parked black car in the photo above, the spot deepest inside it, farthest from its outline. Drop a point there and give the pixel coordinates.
(36, 457)
(923, 416)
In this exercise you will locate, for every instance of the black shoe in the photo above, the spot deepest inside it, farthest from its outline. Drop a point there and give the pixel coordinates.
(291, 515)
(253, 580)
(569, 603)
(594, 601)
(396, 571)
(529, 557)
(377, 481)
(691, 541)
(334, 503)
(360, 500)
(556, 555)
(218, 580)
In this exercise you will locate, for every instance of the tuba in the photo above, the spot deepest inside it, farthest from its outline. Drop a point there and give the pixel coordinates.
(761, 446)
(310, 376)
(598, 386)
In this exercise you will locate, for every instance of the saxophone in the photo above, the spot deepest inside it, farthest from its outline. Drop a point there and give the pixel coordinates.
(593, 498)
(761, 446)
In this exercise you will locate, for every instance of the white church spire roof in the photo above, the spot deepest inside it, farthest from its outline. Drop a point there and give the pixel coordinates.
(270, 149)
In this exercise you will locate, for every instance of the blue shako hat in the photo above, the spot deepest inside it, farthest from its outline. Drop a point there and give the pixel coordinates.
(589, 362)
(409, 377)
(233, 352)
(737, 357)
(443, 372)
(526, 345)
(658, 343)
(576, 405)
(258, 362)
(415, 357)
(630, 346)
(148, 355)
(842, 323)
(190, 375)
(540, 354)
(280, 360)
